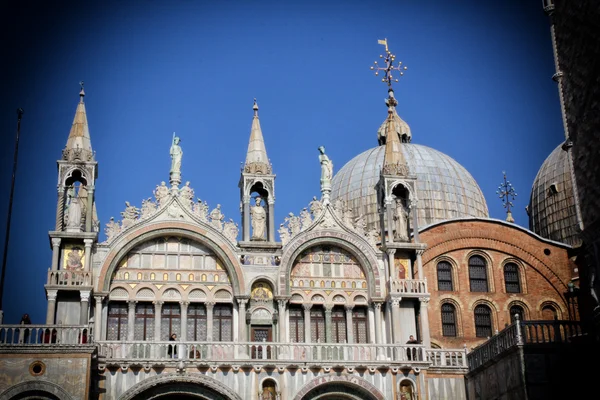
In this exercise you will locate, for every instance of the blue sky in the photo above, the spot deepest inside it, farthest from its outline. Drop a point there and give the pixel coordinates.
(478, 88)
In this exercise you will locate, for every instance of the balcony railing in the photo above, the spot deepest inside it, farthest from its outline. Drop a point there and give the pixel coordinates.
(524, 333)
(410, 286)
(44, 335)
(69, 278)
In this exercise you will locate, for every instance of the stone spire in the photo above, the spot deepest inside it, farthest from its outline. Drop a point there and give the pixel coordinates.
(257, 161)
(79, 144)
(394, 162)
(399, 127)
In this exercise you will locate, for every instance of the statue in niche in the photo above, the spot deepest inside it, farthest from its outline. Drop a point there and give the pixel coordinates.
(305, 219)
(130, 214)
(360, 225)
(201, 210)
(74, 211)
(161, 193)
(258, 218)
(176, 154)
(186, 194)
(315, 207)
(284, 234)
(326, 168)
(230, 230)
(148, 208)
(73, 261)
(401, 221)
(216, 218)
(293, 223)
(405, 392)
(112, 229)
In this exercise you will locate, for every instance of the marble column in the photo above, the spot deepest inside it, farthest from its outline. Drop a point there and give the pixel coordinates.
(307, 307)
(243, 336)
(209, 320)
(89, 211)
(283, 323)
(246, 217)
(84, 295)
(420, 264)
(55, 254)
(184, 307)
(157, 319)
(131, 319)
(88, 254)
(378, 323)
(414, 216)
(349, 324)
(51, 306)
(271, 217)
(390, 220)
(328, 323)
(60, 209)
(391, 269)
(425, 334)
(98, 325)
(396, 325)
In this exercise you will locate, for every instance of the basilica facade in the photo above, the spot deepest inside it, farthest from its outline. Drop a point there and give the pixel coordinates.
(378, 289)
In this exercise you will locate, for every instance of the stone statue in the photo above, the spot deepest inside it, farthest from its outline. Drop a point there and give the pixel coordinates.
(176, 155)
(230, 230)
(130, 214)
(338, 207)
(401, 221)
(284, 234)
(349, 217)
(258, 218)
(112, 229)
(186, 194)
(305, 219)
(148, 208)
(161, 193)
(373, 237)
(216, 218)
(326, 171)
(74, 212)
(360, 225)
(201, 210)
(315, 207)
(293, 223)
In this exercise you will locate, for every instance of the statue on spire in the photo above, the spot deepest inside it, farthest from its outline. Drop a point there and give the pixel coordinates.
(176, 155)
(326, 175)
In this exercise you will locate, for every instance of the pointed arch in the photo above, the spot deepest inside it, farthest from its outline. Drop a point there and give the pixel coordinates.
(217, 244)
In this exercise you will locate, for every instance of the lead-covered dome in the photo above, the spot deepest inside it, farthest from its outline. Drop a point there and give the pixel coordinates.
(445, 189)
(551, 210)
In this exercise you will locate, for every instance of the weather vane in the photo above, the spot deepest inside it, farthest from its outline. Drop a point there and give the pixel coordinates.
(506, 192)
(389, 65)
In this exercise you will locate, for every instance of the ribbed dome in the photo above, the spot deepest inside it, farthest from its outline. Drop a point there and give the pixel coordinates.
(445, 188)
(551, 209)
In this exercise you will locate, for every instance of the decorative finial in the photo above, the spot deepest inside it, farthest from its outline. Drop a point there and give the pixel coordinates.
(506, 192)
(255, 108)
(81, 92)
(389, 66)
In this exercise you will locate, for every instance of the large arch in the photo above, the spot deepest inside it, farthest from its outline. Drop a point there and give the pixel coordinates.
(220, 246)
(359, 248)
(343, 387)
(193, 386)
(35, 390)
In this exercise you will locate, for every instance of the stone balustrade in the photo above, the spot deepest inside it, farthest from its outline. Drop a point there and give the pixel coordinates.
(407, 287)
(44, 335)
(69, 278)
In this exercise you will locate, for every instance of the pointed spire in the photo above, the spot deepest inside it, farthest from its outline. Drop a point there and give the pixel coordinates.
(79, 144)
(257, 161)
(394, 162)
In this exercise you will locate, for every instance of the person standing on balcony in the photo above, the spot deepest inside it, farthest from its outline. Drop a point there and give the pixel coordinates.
(412, 353)
(25, 320)
(172, 351)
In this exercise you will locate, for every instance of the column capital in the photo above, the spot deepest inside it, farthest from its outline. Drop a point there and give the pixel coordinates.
(209, 304)
(88, 242)
(158, 303)
(131, 303)
(242, 302)
(56, 242)
(348, 307)
(395, 302)
(51, 294)
(377, 305)
(282, 303)
(328, 307)
(246, 199)
(307, 306)
(99, 298)
(84, 295)
(184, 303)
(424, 300)
(390, 252)
(420, 252)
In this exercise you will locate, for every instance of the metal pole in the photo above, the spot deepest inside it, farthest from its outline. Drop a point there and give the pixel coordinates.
(10, 201)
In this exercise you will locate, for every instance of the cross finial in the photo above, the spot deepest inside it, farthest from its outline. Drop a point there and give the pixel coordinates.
(389, 65)
(506, 192)
(81, 92)
(255, 108)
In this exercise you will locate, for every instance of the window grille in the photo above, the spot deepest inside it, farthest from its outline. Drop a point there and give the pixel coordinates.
(444, 274)
(478, 274)
(483, 321)
(448, 320)
(511, 278)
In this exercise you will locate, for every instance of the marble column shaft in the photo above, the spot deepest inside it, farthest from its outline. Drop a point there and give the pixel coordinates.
(246, 221)
(55, 253)
(131, 319)
(349, 324)
(425, 334)
(98, 323)
(89, 211)
(157, 319)
(307, 308)
(84, 295)
(271, 219)
(184, 308)
(88, 254)
(210, 305)
(51, 310)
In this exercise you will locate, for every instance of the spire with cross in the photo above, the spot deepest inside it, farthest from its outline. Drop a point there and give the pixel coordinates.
(506, 192)
(389, 67)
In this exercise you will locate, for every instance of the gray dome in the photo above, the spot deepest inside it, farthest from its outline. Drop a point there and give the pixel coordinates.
(445, 188)
(551, 208)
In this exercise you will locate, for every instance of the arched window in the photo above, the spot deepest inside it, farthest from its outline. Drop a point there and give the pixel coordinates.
(196, 322)
(170, 320)
(478, 274)
(444, 275)
(117, 321)
(549, 313)
(223, 322)
(483, 321)
(514, 310)
(360, 328)
(511, 278)
(144, 321)
(317, 325)
(296, 324)
(338, 322)
(448, 320)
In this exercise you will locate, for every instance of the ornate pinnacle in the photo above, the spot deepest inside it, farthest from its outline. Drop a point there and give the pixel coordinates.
(389, 66)
(506, 192)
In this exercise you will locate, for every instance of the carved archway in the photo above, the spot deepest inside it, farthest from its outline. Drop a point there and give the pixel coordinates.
(346, 387)
(193, 386)
(35, 389)
(197, 233)
(360, 249)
